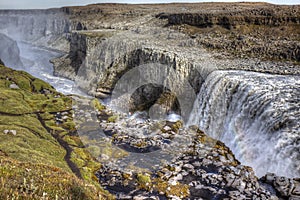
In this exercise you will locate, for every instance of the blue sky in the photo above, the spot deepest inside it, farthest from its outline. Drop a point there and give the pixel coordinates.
(27, 4)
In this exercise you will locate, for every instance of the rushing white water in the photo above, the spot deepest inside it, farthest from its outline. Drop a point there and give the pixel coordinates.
(257, 115)
(37, 62)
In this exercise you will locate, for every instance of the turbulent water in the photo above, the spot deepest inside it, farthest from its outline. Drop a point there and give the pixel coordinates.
(256, 115)
(36, 61)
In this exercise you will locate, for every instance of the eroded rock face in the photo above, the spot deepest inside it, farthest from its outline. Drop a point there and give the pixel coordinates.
(102, 57)
(284, 187)
(106, 47)
(41, 27)
(259, 32)
(9, 52)
(264, 15)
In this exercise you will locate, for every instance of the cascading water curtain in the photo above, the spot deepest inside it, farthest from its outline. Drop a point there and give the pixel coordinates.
(257, 115)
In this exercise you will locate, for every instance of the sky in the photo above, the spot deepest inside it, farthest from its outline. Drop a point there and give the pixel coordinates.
(34, 4)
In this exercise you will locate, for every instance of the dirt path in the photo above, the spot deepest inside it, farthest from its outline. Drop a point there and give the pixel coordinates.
(65, 145)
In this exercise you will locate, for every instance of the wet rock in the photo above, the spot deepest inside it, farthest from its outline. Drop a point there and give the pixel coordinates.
(197, 172)
(285, 187)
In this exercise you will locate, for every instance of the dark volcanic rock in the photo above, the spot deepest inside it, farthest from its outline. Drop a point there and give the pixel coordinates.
(207, 169)
(227, 18)
(284, 187)
(259, 32)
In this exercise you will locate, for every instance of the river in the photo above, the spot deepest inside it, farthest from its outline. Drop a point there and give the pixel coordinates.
(36, 61)
(255, 114)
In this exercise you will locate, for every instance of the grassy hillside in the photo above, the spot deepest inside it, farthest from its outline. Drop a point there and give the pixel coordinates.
(41, 153)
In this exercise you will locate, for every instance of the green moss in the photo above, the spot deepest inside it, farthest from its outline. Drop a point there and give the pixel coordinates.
(96, 104)
(23, 180)
(69, 125)
(13, 102)
(144, 181)
(97, 148)
(179, 190)
(31, 146)
(112, 119)
(87, 165)
(30, 111)
(39, 85)
(47, 116)
(177, 125)
(70, 140)
(23, 82)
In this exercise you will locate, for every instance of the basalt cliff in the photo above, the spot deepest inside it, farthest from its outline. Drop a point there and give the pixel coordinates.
(201, 102)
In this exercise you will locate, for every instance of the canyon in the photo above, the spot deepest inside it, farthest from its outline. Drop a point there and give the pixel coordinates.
(227, 72)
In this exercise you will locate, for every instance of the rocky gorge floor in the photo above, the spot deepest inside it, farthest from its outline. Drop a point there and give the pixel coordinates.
(160, 159)
(132, 155)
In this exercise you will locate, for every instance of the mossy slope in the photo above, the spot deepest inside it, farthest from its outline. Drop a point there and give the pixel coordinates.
(39, 154)
(22, 180)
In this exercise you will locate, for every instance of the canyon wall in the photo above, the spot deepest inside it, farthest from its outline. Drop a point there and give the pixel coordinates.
(9, 52)
(239, 107)
(42, 27)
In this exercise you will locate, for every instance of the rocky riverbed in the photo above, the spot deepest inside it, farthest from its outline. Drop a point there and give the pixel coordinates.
(158, 159)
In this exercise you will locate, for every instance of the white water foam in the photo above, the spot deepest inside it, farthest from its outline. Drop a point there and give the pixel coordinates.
(256, 115)
(37, 63)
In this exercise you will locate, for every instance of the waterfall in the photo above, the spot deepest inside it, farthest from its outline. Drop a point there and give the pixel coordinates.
(257, 115)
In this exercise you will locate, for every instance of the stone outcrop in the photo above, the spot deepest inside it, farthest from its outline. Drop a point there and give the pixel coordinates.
(232, 21)
(241, 29)
(284, 187)
(265, 15)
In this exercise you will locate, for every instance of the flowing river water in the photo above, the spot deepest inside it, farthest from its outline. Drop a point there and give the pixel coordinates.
(256, 115)
(36, 61)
